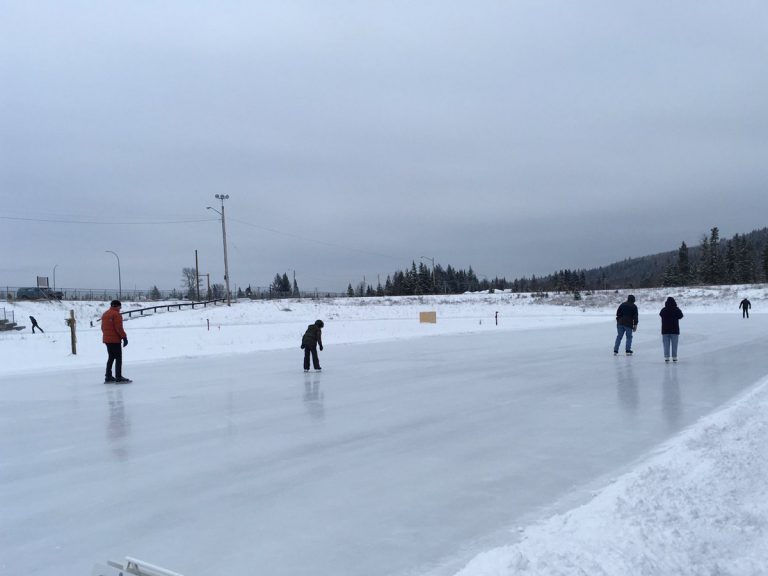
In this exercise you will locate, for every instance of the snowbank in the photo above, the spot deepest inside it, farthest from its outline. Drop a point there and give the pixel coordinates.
(700, 506)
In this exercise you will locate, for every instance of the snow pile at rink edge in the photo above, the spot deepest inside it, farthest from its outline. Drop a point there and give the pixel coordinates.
(699, 505)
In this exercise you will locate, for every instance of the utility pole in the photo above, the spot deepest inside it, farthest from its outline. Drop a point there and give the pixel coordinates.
(197, 277)
(223, 197)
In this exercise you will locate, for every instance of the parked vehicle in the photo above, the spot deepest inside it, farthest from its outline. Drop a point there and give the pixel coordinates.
(37, 294)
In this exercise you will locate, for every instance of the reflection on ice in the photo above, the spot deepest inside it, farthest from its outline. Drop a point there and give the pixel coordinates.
(626, 385)
(313, 398)
(119, 425)
(670, 401)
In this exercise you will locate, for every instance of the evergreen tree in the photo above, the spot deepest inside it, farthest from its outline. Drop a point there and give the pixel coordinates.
(671, 277)
(744, 264)
(765, 261)
(350, 290)
(683, 265)
(296, 292)
(730, 260)
(154, 293)
(715, 257)
(424, 279)
(705, 262)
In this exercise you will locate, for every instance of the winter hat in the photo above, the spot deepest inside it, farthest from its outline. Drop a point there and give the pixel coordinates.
(115, 304)
(631, 298)
(319, 323)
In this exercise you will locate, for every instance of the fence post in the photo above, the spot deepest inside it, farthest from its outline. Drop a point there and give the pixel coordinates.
(71, 324)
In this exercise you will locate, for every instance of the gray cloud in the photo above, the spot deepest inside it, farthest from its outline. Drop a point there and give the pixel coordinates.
(516, 138)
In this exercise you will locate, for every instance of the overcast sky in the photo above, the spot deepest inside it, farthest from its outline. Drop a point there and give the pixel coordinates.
(516, 137)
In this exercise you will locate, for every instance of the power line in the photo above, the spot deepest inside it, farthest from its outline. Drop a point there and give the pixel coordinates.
(108, 222)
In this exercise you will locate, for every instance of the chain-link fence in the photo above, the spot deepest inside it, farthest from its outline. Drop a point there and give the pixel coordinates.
(10, 293)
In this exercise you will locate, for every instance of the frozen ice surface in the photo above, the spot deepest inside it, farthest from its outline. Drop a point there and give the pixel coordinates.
(399, 458)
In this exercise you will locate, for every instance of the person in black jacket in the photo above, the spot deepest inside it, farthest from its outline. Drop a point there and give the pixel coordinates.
(626, 323)
(745, 305)
(35, 325)
(670, 327)
(312, 338)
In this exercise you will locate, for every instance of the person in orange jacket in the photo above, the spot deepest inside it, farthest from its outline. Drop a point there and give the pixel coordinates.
(112, 333)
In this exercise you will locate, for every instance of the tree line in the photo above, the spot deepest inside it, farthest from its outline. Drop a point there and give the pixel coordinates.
(742, 259)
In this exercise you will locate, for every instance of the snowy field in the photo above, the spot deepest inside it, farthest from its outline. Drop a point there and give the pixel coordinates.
(417, 448)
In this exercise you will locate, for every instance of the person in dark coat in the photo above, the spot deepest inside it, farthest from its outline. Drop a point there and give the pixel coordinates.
(35, 325)
(670, 327)
(626, 323)
(745, 305)
(312, 338)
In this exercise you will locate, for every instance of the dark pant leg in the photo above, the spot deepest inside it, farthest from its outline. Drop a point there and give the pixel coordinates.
(315, 360)
(115, 356)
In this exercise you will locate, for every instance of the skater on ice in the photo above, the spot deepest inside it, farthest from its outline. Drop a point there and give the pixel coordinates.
(670, 327)
(35, 325)
(626, 324)
(112, 334)
(312, 338)
(745, 305)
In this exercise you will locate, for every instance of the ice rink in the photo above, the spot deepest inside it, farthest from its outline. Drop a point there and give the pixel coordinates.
(403, 457)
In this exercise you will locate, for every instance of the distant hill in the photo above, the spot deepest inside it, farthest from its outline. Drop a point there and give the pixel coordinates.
(740, 259)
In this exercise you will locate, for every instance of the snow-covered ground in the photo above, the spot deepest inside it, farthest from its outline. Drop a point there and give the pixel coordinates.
(695, 505)
(275, 324)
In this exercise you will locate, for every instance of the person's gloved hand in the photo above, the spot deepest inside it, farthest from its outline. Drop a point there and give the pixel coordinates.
(125, 342)
(634, 329)
(321, 347)
(302, 346)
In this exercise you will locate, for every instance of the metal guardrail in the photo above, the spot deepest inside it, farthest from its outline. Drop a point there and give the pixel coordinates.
(179, 305)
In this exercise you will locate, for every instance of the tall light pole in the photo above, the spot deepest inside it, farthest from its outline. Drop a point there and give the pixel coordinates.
(54, 277)
(119, 276)
(223, 197)
(434, 289)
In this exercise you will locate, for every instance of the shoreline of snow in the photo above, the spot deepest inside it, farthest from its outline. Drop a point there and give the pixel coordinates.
(261, 325)
(697, 505)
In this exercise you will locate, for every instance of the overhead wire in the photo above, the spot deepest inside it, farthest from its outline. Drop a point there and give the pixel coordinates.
(108, 222)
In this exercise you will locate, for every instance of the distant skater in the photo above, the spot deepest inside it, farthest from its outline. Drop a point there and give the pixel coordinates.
(670, 327)
(35, 325)
(113, 333)
(312, 338)
(745, 305)
(626, 323)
